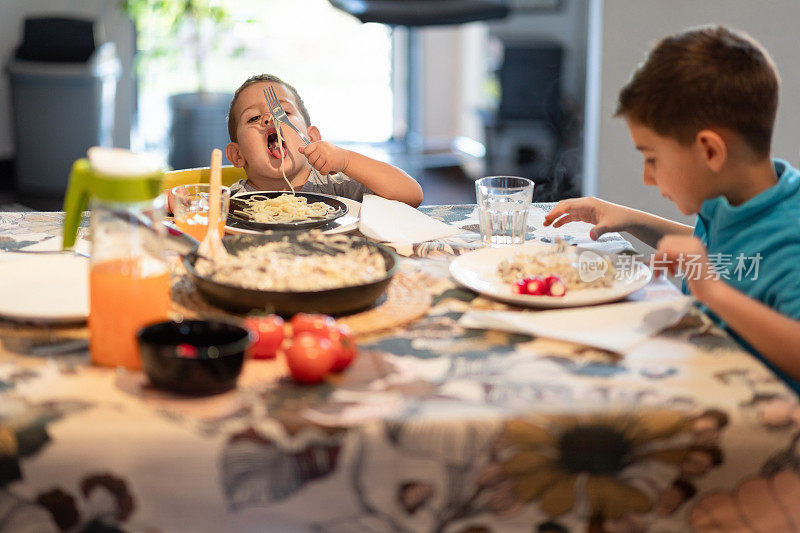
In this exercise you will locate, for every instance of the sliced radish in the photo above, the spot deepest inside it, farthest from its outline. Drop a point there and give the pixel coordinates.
(535, 286)
(519, 287)
(555, 286)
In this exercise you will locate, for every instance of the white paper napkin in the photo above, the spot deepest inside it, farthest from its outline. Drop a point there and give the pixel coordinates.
(396, 222)
(615, 327)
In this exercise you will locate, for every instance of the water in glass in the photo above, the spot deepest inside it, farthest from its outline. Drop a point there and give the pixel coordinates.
(503, 203)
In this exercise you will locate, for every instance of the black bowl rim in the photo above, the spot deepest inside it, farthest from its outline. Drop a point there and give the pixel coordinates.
(188, 263)
(341, 210)
(229, 349)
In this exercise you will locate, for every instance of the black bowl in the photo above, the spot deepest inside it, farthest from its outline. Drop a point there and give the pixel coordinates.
(193, 356)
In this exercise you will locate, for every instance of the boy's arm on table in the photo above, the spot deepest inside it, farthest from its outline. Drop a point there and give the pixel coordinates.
(608, 217)
(384, 179)
(381, 178)
(773, 334)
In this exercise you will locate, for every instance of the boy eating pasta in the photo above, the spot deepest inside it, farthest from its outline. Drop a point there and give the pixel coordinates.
(276, 158)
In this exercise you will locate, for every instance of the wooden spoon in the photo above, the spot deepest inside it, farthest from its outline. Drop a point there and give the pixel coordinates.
(212, 246)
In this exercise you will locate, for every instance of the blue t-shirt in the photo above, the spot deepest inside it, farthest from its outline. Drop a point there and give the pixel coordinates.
(755, 246)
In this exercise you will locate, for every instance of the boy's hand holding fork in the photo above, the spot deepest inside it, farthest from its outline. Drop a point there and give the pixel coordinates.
(326, 157)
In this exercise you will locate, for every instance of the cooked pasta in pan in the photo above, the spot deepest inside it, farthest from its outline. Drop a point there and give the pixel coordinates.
(307, 265)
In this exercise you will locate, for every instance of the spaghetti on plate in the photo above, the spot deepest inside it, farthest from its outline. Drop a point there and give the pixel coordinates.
(284, 208)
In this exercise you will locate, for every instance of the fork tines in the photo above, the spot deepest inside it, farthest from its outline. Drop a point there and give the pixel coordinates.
(272, 100)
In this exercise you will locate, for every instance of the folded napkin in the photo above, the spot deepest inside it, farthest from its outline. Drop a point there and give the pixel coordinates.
(614, 327)
(396, 222)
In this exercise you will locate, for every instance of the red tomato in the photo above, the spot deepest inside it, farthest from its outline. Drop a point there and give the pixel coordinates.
(269, 334)
(310, 357)
(313, 323)
(345, 346)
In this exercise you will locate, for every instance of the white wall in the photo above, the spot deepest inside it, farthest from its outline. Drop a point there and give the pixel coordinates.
(630, 27)
(118, 29)
(453, 80)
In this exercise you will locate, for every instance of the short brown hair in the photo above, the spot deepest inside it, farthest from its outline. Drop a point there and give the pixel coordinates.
(256, 79)
(705, 77)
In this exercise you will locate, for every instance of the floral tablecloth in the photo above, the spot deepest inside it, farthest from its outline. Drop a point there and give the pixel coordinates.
(434, 428)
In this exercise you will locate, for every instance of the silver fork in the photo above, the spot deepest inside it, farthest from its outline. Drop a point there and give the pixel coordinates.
(277, 111)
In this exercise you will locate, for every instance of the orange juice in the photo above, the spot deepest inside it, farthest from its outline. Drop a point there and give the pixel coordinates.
(196, 224)
(124, 295)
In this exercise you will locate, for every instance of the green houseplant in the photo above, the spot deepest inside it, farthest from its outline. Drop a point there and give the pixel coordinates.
(171, 36)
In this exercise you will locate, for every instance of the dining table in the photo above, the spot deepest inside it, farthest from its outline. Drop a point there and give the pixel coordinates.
(435, 427)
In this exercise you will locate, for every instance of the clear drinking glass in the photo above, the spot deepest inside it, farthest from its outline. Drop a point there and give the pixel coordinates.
(503, 203)
(190, 206)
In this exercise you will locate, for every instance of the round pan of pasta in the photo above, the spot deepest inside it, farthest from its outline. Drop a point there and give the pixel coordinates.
(290, 272)
(281, 210)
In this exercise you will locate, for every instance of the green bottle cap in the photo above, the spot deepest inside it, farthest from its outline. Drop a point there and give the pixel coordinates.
(112, 175)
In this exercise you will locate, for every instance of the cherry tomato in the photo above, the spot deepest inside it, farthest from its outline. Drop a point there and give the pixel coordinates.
(313, 323)
(310, 357)
(269, 334)
(345, 346)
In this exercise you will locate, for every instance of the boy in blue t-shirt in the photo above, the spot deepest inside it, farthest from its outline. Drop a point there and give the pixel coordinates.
(701, 110)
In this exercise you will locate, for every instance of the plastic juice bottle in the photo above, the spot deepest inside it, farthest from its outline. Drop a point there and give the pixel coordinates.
(128, 278)
(112, 333)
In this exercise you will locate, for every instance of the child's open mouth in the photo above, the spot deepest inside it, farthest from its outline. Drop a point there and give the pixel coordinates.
(274, 147)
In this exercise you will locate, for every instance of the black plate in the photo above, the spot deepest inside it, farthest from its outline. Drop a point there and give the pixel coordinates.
(240, 221)
(336, 301)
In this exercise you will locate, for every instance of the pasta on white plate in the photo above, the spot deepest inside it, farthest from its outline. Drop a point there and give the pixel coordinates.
(560, 263)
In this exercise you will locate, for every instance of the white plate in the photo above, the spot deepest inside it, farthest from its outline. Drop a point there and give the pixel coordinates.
(344, 224)
(478, 271)
(43, 287)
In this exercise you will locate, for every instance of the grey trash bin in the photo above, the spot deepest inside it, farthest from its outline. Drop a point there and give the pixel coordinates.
(198, 125)
(59, 110)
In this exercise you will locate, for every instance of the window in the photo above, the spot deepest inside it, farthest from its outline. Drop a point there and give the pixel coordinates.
(341, 68)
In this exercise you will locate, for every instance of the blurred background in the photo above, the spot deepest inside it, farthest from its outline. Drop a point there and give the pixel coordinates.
(449, 90)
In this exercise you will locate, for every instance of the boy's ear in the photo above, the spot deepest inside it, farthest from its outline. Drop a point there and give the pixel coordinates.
(235, 155)
(314, 134)
(714, 149)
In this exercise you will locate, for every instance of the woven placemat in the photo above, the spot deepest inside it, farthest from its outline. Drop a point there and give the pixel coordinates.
(42, 331)
(406, 299)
